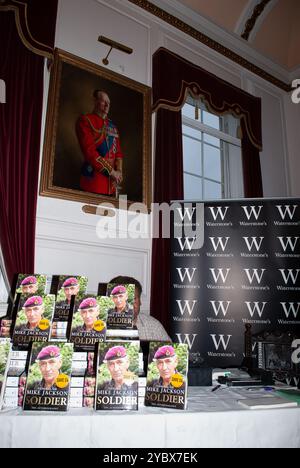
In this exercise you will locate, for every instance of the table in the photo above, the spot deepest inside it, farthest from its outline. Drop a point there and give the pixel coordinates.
(213, 419)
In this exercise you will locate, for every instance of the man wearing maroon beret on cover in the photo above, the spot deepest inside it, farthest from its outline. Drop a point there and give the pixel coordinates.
(119, 296)
(34, 309)
(150, 329)
(117, 362)
(166, 362)
(121, 316)
(50, 362)
(29, 285)
(71, 288)
(89, 311)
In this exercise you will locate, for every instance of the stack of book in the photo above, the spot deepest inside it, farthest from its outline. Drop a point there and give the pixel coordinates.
(72, 349)
(5, 349)
(118, 362)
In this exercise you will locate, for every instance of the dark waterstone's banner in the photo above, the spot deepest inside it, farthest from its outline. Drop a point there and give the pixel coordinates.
(248, 271)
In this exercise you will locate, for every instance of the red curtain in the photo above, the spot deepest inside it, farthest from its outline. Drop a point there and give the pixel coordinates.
(173, 78)
(20, 129)
(35, 22)
(168, 187)
(253, 187)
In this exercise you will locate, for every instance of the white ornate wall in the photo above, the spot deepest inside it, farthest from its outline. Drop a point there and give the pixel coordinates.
(66, 240)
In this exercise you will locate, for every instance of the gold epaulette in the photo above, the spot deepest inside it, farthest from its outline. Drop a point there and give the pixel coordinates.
(100, 131)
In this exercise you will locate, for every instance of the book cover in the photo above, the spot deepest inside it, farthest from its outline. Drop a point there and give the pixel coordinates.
(5, 349)
(14, 390)
(117, 376)
(33, 321)
(89, 391)
(5, 327)
(167, 375)
(120, 315)
(83, 391)
(49, 377)
(26, 284)
(68, 286)
(30, 284)
(267, 403)
(89, 323)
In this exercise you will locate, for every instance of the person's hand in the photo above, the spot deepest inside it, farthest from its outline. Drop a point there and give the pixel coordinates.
(117, 176)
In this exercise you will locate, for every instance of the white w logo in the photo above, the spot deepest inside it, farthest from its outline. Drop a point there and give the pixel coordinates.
(220, 274)
(291, 309)
(293, 381)
(290, 275)
(288, 243)
(255, 307)
(221, 341)
(255, 275)
(219, 243)
(186, 273)
(254, 243)
(187, 306)
(219, 211)
(287, 211)
(220, 307)
(187, 340)
(187, 244)
(252, 211)
(187, 212)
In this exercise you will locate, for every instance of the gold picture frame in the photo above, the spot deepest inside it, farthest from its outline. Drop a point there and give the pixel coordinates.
(73, 81)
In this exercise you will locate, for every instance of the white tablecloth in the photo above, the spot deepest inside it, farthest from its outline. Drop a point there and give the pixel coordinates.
(211, 420)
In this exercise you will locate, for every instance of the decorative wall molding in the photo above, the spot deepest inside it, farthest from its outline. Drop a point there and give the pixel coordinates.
(74, 248)
(209, 42)
(140, 23)
(295, 74)
(69, 232)
(279, 155)
(110, 18)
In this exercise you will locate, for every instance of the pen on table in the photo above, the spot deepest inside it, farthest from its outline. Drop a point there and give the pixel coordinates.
(216, 388)
(259, 389)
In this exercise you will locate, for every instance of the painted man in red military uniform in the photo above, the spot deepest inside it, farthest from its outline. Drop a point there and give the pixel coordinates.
(100, 143)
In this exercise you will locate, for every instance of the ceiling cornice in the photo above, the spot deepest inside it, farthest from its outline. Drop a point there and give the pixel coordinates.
(211, 43)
